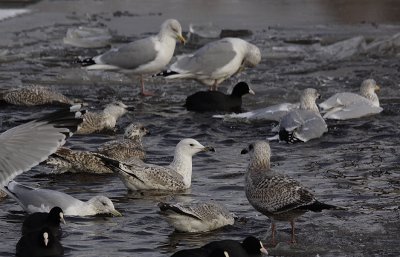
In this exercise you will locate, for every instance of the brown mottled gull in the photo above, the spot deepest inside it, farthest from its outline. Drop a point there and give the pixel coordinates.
(279, 197)
(200, 217)
(344, 106)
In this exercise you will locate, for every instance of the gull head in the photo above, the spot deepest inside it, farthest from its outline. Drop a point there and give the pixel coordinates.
(368, 90)
(56, 214)
(260, 154)
(253, 56)
(189, 146)
(308, 98)
(103, 205)
(116, 109)
(135, 131)
(173, 29)
(253, 246)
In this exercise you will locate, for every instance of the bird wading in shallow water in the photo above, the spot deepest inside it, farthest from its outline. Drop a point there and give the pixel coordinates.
(145, 56)
(279, 197)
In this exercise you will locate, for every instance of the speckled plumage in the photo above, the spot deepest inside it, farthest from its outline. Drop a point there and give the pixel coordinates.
(105, 120)
(129, 147)
(277, 196)
(175, 177)
(69, 160)
(199, 217)
(34, 95)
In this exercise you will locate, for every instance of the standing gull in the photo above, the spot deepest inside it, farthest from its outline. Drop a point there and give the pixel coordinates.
(279, 197)
(305, 123)
(106, 120)
(145, 56)
(344, 106)
(26, 145)
(215, 62)
(200, 217)
(42, 200)
(174, 177)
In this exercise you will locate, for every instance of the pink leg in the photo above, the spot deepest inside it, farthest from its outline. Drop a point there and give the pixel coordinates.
(293, 241)
(144, 93)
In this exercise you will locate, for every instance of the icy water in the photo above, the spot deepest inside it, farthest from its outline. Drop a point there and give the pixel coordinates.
(355, 165)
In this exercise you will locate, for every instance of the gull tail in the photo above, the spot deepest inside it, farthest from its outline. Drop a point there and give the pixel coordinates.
(318, 206)
(165, 73)
(113, 164)
(85, 62)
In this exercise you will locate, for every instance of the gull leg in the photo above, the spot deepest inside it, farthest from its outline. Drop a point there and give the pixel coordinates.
(143, 92)
(273, 233)
(293, 240)
(214, 87)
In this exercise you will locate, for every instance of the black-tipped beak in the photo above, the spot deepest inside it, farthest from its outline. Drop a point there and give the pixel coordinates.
(209, 149)
(244, 151)
(130, 108)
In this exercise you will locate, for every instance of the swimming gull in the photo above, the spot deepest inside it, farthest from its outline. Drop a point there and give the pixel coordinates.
(344, 106)
(145, 56)
(130, 146)
(40, 243)
(174, 177)
(38, 220)
(199, 217)
(106, 120)
(26, 145)
(42, 200)
(305, 123)
(277, 196)
(34, 95)
(208, 101)
(215, 62)
(251, 246)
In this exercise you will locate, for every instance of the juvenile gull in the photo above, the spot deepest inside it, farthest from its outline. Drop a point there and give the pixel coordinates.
(208, 101)
(344, 106)
(279, 197)
(40, 243)
(270, 113)
(201, 217)
(215, 62)
(38, 220)
(129, 147)
(145, 56)
(34, 95)
(251, 246)
(106, 120)
(305, 123)
(174, 177)
(26, 145)
(42, 200)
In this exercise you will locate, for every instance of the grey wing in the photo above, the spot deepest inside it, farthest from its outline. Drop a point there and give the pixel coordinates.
(355, 110)
(209, 211)
(274, 113)
(291, 121)
(341, 99)
(313, 126)
(27, 145)
(206, 60)
(277, 194)
(130, 56)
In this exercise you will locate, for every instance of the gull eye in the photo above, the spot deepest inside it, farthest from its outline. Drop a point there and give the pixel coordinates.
(191, 144)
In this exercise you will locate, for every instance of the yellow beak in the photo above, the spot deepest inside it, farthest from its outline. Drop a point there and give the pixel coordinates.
(181, 39)
(116, 213)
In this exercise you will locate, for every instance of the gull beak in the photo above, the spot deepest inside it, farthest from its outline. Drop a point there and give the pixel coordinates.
(244, 151)
(251, 92)
(116, 213)
(181, 39)
(208, 149)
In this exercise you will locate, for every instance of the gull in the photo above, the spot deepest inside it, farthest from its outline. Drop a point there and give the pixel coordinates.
(344, 106)
(106, 120)
(145, 56)
(277, 196)
(42, 200)
(26, 145)
(201, 217)
(174, 177)
(305, 123)
(215, 62)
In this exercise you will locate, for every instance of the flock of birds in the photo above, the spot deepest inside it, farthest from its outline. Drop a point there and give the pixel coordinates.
(277, 196)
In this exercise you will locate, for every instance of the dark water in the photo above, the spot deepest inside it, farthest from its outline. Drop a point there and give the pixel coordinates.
(355, 165)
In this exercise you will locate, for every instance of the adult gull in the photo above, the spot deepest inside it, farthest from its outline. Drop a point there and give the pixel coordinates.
(344, 106)
(277, 196)
(145, 56)
(215, 62)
